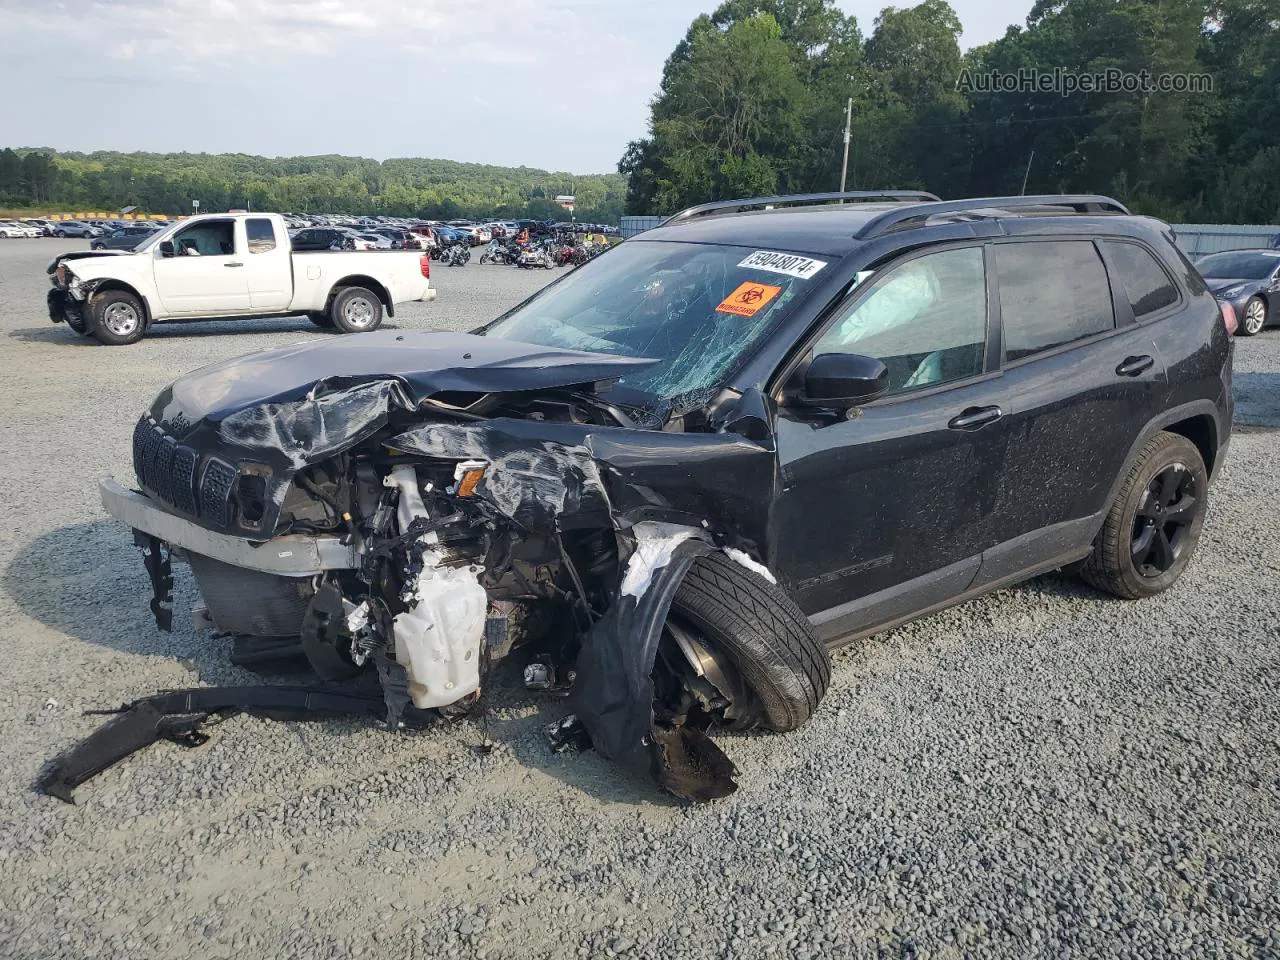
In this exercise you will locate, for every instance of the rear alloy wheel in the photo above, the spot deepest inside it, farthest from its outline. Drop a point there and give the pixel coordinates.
(1154, 523)
(1253, 318)
(356, 310)
(116, 318)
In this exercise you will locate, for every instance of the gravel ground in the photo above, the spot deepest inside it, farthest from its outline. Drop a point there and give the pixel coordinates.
(1041, 772)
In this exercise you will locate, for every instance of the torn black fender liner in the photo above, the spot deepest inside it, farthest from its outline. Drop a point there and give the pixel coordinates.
(177, 716)
(613, 694)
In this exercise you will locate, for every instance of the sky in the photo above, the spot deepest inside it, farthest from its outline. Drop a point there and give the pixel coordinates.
(555, 84)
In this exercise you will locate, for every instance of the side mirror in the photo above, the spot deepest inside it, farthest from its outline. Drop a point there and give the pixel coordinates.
(844, 380)
(166, 248)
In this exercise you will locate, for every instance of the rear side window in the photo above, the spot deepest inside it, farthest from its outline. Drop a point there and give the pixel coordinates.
(1141, 277)
(259, 235)
(1051, 293)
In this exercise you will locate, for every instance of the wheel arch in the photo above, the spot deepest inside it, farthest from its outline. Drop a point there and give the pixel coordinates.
(369, 283)
(112, 283)
(1197, 421)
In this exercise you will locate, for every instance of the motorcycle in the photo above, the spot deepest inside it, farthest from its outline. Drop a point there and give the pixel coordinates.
(497, 252)
(456, 255)
(538, 255)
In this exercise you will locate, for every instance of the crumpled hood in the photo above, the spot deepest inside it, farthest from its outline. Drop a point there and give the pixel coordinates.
(421, 362)
(85, 255)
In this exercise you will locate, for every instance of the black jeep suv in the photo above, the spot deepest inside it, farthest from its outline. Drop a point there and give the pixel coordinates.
(674, 477)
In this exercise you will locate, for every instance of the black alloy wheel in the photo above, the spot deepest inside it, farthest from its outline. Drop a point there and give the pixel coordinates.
(1163, 519)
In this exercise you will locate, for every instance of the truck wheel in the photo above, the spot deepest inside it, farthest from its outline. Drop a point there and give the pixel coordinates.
(355, 310)
(762, 635)
(321, 320)
(116, 318)
(1154, 522)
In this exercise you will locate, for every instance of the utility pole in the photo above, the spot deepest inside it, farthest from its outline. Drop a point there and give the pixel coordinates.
(848, 123)
(1026, 174)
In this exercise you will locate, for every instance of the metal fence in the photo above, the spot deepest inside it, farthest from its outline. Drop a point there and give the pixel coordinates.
(630, 226)
(1198, 239)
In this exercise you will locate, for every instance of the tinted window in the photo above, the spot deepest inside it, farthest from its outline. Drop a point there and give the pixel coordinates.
(1051, 293)
(1238, 266)
(259, 236)
(1141, 277)
(925, 319)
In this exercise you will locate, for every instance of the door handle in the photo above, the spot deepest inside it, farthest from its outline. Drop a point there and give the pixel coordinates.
(234, 263)
(974, 418)
(1132, 366)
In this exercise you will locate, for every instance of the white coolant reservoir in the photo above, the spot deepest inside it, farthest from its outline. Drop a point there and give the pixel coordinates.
(438, 639)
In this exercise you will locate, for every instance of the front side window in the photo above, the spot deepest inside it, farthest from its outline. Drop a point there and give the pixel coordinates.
(209, 238)
(926, 320)
(259, 235)
(1052, 292)
(1142, 278)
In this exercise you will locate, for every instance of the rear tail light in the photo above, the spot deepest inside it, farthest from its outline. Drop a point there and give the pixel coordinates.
(1229, 318)
(424, 264)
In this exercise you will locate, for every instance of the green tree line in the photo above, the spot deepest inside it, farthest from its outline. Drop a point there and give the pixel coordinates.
(752, 102)
(167, 183)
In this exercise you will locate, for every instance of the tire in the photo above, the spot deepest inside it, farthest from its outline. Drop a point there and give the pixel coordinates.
(116, 318)
(355, 310)
(60, 234)
(1169, 468)
(1252, 318)
(762, 634)
(321, 320)
(97, 246)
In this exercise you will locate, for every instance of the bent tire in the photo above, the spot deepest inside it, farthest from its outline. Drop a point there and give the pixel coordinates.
(1154, 523)
(355, 310)
(760, 631)
(116, 318)
(321, 320)
(1253, 317)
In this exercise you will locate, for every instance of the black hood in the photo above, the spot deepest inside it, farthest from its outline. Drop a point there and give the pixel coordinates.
(422, 363)
(1218, 284)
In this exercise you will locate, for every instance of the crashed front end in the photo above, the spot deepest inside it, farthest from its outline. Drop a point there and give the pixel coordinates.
(428, 525)
(69, 294)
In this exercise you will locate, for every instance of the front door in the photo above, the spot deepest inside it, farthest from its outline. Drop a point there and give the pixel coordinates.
(205, 275)
(886, 511)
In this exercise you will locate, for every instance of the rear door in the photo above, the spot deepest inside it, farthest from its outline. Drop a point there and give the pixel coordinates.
(266, 266)
(205, 275)
(1081, 381)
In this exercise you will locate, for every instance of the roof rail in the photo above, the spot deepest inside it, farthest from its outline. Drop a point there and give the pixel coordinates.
(721, 206)
(1076, 203)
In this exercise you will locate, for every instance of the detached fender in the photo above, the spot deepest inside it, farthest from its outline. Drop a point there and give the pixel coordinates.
(613, 694)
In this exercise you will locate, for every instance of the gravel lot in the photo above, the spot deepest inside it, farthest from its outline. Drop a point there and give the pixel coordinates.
(1041, 772)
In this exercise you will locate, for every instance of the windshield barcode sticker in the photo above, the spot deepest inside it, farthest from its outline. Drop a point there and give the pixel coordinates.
(790, 264)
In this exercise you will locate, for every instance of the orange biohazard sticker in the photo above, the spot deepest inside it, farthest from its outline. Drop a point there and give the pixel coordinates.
(749, 299)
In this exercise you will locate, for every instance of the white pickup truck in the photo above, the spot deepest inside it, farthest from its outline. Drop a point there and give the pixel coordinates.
(226, 266)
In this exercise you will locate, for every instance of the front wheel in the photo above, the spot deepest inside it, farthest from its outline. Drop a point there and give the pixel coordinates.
(1253, 318)
(765, 640)
(116, 318)
(97, 246)
(356, 310)
(1154, 523)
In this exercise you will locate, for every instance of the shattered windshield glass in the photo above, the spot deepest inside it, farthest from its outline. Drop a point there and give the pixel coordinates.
(696, 308)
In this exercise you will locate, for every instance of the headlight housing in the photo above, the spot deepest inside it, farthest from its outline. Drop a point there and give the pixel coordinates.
(1230, 293)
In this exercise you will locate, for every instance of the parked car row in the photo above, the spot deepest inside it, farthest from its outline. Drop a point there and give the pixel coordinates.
(29, 227)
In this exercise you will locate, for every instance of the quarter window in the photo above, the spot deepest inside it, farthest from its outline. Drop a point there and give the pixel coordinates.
(1051, 293)
(259, 235)
(925, 319)
(1142, 278)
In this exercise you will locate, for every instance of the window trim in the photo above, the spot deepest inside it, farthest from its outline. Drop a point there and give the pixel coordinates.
(1113, 269)
(801, 354)
(1117, 312)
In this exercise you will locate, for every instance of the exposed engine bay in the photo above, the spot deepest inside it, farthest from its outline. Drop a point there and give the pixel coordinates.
(426, 525)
